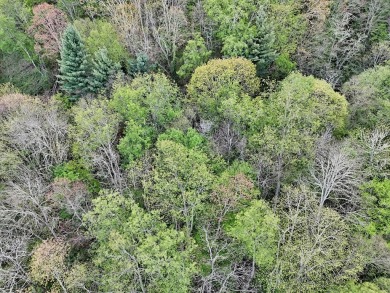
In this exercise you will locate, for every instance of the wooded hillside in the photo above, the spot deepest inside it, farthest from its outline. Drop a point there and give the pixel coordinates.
(195, 146)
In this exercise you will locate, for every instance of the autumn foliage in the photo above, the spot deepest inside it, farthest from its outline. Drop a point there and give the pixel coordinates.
(47, 26)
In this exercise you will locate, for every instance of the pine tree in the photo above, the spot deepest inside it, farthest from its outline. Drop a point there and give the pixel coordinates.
(73, 65)
(103, 70)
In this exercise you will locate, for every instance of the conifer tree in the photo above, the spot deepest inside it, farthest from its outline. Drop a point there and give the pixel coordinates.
(73, 65)
(140, 65)
(103, 69)
(261, 48)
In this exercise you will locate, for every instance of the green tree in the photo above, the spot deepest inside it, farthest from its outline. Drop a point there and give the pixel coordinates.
(383, 283)
(14, 21)
(317, 249)
(81, 277)
(191, 139)
(104, 70)
(352, 287)
(261, 49)
(148, 105)
(195, 54)
(245, 28)
(94, 135)
(99, 34)
(376, 196)
(224, 95)
(289, 26)
(179, 183)
(26, 73)
(157, 96)
(235, 24)
(19, 63)
(137, 139)
(256, 227)
(169, 266)
(95, 125)
(135, 251)
(140, 65)
(74, 67)
(218, 80)
(368, 94)
(302, 109)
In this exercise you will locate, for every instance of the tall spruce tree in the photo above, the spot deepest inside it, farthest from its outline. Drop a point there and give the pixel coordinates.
(141, 64)
(261, 49)
(104, 69)
(73, 77)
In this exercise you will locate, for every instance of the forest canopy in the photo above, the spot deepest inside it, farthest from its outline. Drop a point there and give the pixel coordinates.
(195, 146)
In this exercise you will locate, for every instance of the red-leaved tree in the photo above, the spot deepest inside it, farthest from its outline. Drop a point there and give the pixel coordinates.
(47, 26)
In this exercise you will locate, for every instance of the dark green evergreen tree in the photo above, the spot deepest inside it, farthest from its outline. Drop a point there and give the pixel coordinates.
(140, 65)
(261, 49)
(104, 69)
(73, 77)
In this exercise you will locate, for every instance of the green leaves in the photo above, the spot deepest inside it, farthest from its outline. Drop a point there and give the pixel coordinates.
(377, 199)
(103, 34)
(168, 265)
(191, 139)
(95, 126)
(137, 139)
(179, 183)
(258, 30)
(261, 169)
(308, 103)
(135, 250)
(317, 249)
(148, 106)
(219, 80)
(195, 54)
(256, 227)
(368, 94)
(235, 24)
(14, 19)
(295, 116)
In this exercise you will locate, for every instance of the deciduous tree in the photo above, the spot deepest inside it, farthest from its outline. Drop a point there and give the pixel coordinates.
(294, 116)
(195, 54)
(39, 132)
(316, 247)
(145, 255)
(148, 105)
(179, 184)
(156, 28)
(256, 227)
(48, 262)
(367, 94)
(47, 26)
(94, 140)
(98, 34)
(335, 175)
